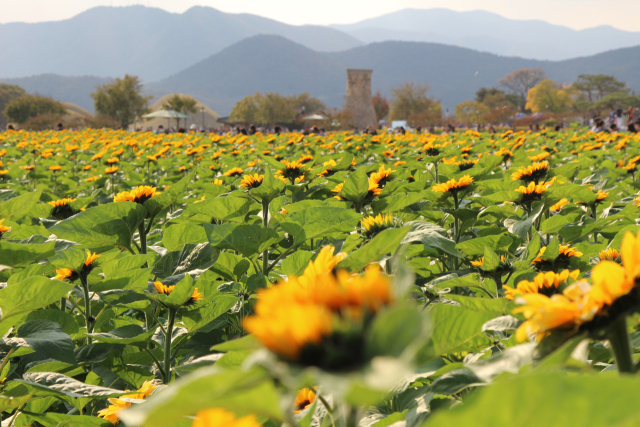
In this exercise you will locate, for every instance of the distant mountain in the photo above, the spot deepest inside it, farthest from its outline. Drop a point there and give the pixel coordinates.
(454, 74)
(490, 32)
(148, 42)
(268, 63)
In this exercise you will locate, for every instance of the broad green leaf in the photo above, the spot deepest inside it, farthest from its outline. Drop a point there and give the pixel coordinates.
(199, 318)
(167, 198)
(552, 250)
(269, 189)
(190, 258)
(119, 266)
(240, 391)
(395, 330)
(429, 235)
(246, 239)
(177, 235)
(103, 226)
(491, 260)
(19, 255)
(52, 419)
(127, 335)
(131, 279)
(48, 339)
(228, 208)
(180, 294)
(475, 247)
(312, 223)
(560, 400)
(69, 258)
(356, 187)
(66, 321)
(294, 264)
(395, 203)
(54, 384)
(521, 228)
(20, 206)
(385, 242)
(45, 270)
(31, 294)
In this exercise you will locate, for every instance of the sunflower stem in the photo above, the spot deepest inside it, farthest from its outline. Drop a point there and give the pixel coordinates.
(6, 360)
(167, 346)
(619, 340)
(265, 223)
(87, 307)
(143, 238)
(63, 304)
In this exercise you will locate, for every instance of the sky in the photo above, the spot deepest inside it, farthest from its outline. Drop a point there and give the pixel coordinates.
(577, 14)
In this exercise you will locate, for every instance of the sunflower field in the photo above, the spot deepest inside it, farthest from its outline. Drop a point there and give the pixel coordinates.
(328, 281)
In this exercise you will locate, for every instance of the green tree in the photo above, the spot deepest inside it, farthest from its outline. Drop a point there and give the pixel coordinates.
(549, 96)
(121, 100)
(275, 108)
(310, 104)
(7, 94)
(521, 81)
(181, 103)
(27, 106)
(246, 110)
(411, 102)
(597, 86)
(472, 112)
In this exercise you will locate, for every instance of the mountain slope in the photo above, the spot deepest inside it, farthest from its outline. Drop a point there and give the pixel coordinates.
(489, 32)
(268, 63)
(147, 42)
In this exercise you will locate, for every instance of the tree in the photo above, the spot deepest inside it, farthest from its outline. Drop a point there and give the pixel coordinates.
(549, 96)
(597, 86)
(181, 103)
(27, 106)
(521, 81)
(472, 112)
(380, 105)
(246, 110)
(500, 106)
(308, 102)
(275, 108)
(411, 102)
(7, 94)
(121, 100)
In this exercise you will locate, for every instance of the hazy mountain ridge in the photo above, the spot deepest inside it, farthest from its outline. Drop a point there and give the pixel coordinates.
(147, 42)
(490, 32)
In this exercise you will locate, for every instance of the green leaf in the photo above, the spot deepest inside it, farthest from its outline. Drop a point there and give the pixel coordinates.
(491, 260)
(66, 321)
(227, 208)
(127, 335)
(52, 419)
(19, 255)
(201, 317)
(429, 235)
(312, 223)
(394, 330)
(552, 251)
(177, 235)
(164, 200)
(69, 258)
(356, 187)
(192, 257)
(31, 294)
(269, 189)
(180, 294)
(475, 247)
(294, 264)
(119, 266)
(247, 239)
(54, 384)
(560, 400)
(20, 206)
(240, 391)
(48, 339)
(103, 226)
(395, 203)
(521, 228)
(617, 240)
(382, 244)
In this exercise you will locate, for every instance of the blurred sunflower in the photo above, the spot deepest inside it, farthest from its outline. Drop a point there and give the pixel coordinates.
(304, 399)
(251, 181)
(218, 417)
(62, 209)
(233, 172)
(533, 173)
(166, 290)
(139, 194)
(454, 186)
(375, 224)
(110, 413)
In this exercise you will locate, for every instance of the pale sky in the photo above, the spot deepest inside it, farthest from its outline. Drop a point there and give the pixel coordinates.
(577, 14)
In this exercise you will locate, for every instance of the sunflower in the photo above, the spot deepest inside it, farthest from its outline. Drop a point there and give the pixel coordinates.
(329, 164)
(374, 190)
(556, 207)
(252, 181)
(3, 228)
(305, 158)
(93, 178)
(382, 176)
(117, 404)
(72, 275)
(375, 224)
(111, 170)
(544, 283)
(139, 194)
(610, 254)
(113, 160)
(531, 192)
(304, 398)
(218, 417)
(166, 290)
(27, 168)
(233, 172)
(533, 173)
(565, 253)
(452, 186)
(295, 317)
(466, 164)
(62, 209)
(55, 168)
(292, 171)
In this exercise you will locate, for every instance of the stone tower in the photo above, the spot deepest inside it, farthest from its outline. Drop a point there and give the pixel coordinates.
(358, 101)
